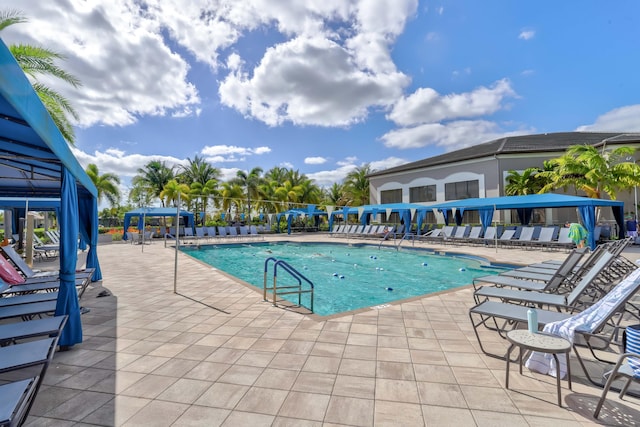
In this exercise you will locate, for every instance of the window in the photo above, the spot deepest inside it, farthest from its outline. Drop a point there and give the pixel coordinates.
(422, 194)
(462, 190)
(391, 196)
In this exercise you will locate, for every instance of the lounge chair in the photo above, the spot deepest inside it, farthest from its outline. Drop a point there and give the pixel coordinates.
(211, 232)
(539, 299)
(545, 238)
(525, 239)
(474, 235)
(622, 369)
(188, 235)
(37, 276)
(564, 271)
(506, 238)
(253, 232)
(17, 397)
(589, 323)
(200, 233)
(232, 232)
(222, 232)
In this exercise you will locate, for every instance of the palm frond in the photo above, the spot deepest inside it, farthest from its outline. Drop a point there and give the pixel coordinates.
(10, 17)
(35, 60)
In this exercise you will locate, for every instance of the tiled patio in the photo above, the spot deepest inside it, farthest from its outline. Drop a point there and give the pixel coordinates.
(215, 354)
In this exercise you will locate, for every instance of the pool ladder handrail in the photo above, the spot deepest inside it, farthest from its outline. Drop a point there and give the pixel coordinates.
(294, 273)
(406, 236)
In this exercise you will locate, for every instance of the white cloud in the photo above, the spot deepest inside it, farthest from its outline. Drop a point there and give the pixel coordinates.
(451, 136)
(287, 165)
(119, 162)
(623, 119)
(119, 54)
(326, 178)
(315, 160)
(426, 105)
(527, 34)
(312, 81)
(230, 153)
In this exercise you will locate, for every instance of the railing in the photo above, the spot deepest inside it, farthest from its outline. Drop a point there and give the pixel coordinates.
(277, 290)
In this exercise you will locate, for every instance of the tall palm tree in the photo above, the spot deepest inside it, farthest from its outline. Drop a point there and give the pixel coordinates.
(335, 195)
(38, 61)
(199, 170)
(232, 196)
(276, 174)
(153, 177)
(107, 184)
(310, 193)
(593, 171)
(250, 182)
(172, 189)
(356, 185)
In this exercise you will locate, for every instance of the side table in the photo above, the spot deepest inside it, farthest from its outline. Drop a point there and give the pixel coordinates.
(542, 342)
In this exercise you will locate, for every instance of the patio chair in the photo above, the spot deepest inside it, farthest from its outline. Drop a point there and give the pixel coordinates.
(222, 232)
(29, 273)
(188, 235)
(200, 234)
(622, 369)
(17, 397)
(55, 238)
(474, 235)
(558, 301)
(505, 238)
(253, 232)
(589, 324)
(545, 238)
(232, 232)
(556, 280)
(211, 232)
(525, 238)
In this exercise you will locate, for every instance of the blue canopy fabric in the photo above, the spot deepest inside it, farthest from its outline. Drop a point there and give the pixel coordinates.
(147, 212)
(88, 212)
(36, 162)
(67, 302)
(294, 213)
(585, 205)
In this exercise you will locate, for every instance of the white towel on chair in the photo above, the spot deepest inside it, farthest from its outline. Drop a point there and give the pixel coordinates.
(585, 321)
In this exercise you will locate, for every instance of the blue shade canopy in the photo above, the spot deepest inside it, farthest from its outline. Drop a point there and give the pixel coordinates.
(140, 213)
(586, 206)
(34, 158)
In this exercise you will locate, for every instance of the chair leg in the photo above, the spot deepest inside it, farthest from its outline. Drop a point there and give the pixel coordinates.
(612, 377)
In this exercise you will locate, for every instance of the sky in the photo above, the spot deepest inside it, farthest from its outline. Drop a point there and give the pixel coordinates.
(326, 86)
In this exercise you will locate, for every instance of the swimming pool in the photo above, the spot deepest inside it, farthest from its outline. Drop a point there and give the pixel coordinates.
(347, 277)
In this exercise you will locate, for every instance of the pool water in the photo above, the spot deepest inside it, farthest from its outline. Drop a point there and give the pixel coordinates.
(346, 277)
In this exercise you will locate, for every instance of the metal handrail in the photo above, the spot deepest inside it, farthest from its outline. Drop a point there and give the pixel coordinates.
(294, 273)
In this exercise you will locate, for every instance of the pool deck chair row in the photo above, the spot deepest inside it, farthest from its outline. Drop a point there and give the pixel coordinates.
(36, 354)
(595, 327)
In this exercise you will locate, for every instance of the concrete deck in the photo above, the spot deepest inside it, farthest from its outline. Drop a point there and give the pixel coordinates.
(215, 354)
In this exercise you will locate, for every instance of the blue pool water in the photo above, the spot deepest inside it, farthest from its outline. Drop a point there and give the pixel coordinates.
(346, 277)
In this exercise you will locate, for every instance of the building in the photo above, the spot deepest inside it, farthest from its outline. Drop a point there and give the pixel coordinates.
(481, 171)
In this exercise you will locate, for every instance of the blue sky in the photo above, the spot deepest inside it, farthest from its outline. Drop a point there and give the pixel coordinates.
(324, 86)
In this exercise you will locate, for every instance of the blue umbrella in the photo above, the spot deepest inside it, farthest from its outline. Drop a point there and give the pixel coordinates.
(67, 302)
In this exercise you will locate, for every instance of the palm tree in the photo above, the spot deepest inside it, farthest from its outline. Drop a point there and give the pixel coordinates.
(171, 191)
(232, 196)
(594, 172)
(356, 185)
(107, 184)
(250, 182)
(38, 61)
(335, 195)
(521, 184)
(199, 170)
(154, 177)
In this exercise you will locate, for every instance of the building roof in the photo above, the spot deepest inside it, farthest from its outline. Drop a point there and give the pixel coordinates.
(538, 143)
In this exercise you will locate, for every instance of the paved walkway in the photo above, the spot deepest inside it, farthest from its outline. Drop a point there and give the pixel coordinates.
(215, 354)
